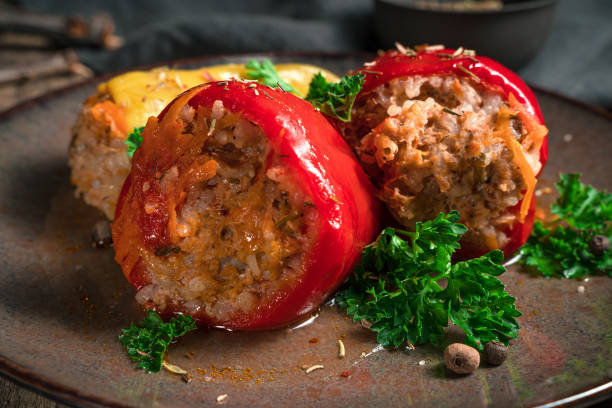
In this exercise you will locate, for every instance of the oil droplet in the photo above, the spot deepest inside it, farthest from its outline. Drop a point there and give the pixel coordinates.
(304, 323)
(365, 355)
(512, 260)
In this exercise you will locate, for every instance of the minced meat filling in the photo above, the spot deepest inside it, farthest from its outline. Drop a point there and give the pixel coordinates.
(98, 156)
(436, 144)
(243, 233)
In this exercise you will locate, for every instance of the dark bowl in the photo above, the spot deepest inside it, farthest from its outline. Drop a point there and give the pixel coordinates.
(512, 35)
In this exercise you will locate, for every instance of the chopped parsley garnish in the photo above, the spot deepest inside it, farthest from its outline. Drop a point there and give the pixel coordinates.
(147, 343)
(134, 140)
(398, 288)
(562, 249)
(265, 73)
(335, 99)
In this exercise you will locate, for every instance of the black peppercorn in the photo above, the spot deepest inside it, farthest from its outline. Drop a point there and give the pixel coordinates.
(226, 233)
(461, 359)
(495, 352)
(599, 244)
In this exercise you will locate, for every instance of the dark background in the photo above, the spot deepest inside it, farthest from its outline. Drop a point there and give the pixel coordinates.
(576, 59)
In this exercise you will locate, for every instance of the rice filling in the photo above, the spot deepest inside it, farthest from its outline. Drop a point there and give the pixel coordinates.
(243, 234)
(98, 155)
(441, 143)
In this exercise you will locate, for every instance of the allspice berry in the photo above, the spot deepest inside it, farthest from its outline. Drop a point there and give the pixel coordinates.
(495, 352)
(461, 359)
(599, 244)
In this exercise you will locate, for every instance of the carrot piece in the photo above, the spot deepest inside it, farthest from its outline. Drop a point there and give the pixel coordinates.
(518, 157)
(109, 113)
(536, 132)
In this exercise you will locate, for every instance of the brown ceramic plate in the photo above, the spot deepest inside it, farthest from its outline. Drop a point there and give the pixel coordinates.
(63, 303)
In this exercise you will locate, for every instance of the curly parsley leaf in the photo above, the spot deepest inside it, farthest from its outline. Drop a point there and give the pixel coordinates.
(563, 252)
(398, 288)
(563, 249)
(478, 303)
(335, 99)
(146, 344)
(265, 73)
(134, 140)
(582, 206)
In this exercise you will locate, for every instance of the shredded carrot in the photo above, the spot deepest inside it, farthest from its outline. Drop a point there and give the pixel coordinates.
(535, 131)
(111, 114)
(491, 241)
(198, 172)
(172, 221)
(518, 156)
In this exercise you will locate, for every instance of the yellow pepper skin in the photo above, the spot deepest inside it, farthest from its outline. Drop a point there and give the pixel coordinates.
(141, 94)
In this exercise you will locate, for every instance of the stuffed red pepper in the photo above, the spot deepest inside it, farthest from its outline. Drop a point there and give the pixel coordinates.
(244, 208)
(442, 130)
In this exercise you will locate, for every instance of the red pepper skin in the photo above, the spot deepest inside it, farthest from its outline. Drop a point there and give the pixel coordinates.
(490, 74)
(311, 149)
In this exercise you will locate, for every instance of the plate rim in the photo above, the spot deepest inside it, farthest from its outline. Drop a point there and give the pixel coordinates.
(56, 391)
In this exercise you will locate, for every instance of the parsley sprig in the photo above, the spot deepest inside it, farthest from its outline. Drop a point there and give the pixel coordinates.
(147, 343)
(335, 99)
(582, 206)
(398, 288)
(562, 249)
(265, 73)
(134, 140)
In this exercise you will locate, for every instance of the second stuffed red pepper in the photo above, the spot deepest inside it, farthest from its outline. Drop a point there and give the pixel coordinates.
(442, 130)
(244, 208)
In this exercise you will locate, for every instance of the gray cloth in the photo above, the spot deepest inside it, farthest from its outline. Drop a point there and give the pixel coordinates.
(577, 57)
(576, 60)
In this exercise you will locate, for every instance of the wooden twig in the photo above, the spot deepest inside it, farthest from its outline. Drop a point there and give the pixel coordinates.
(60, 63)
(96, 31)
